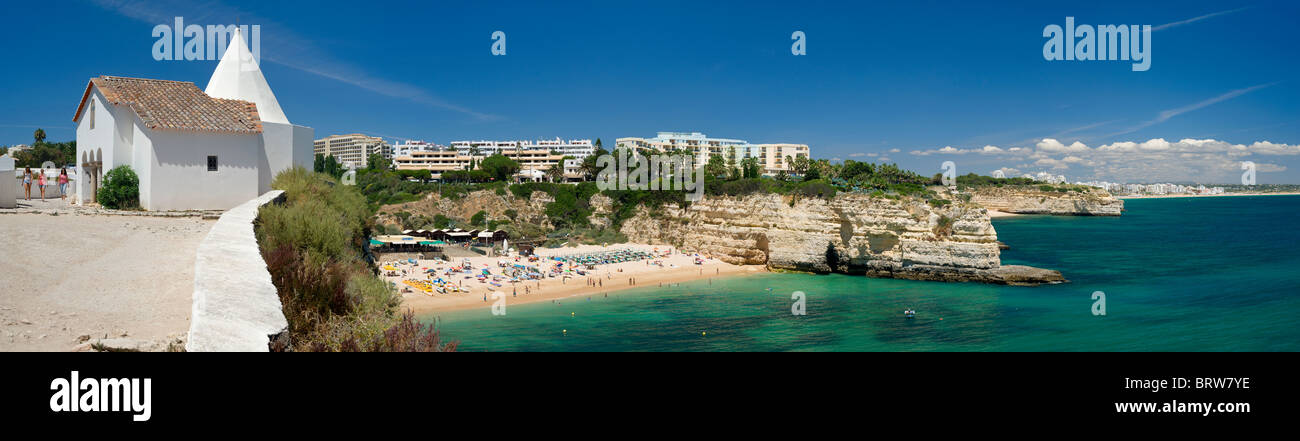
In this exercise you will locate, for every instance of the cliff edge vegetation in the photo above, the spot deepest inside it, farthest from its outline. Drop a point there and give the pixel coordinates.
(314, 247)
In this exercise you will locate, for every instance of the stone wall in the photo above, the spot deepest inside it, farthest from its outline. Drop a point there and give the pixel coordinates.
(236, 307)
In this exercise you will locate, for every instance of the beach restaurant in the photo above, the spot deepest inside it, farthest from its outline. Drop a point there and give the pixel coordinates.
(457, 235)
(491, 237)
(400, 243)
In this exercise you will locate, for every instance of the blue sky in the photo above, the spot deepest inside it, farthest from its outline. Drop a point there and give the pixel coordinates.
(916, 83)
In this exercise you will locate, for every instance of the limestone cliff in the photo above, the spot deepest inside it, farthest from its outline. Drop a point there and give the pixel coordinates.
(1030, 200)
(850, 233)
(532, 209)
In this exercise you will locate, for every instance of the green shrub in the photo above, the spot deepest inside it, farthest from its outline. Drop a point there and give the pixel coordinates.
(441, 222)
(313, 245)
(818, 188)
(121, 189)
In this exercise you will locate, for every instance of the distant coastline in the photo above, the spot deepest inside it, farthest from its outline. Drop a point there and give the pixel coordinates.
(1162, 196)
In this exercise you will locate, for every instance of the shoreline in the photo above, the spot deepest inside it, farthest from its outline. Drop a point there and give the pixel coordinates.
(1168, 196)
(612, 279)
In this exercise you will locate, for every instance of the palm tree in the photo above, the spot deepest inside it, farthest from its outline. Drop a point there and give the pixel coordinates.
(556, 172)
(39, 135)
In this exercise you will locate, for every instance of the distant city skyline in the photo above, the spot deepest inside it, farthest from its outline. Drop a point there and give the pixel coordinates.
(915, 85)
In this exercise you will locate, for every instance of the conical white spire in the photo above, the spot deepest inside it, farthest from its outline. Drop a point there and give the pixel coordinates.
(239, 78)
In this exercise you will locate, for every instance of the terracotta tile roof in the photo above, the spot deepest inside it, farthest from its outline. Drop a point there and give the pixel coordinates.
(175, 105)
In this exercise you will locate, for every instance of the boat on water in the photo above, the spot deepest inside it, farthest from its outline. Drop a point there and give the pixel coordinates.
(909, 313)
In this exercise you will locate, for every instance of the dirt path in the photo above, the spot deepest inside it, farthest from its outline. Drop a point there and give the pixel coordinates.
(130, 279)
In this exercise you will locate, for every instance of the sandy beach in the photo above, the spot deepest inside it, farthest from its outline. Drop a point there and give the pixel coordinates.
(605, 280)
(1161, 196)
(72, 279)
(994, 214)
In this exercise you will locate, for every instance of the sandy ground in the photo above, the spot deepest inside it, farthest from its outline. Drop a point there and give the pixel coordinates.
(996, 214)
(1204, 195)
(607, 279)
(129, 279)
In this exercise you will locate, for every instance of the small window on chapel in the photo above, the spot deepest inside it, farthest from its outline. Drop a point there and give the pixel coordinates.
(92, 114)
(212, 163)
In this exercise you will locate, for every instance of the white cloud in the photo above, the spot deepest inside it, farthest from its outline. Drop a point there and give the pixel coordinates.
(1053, 146)
(1157, 159)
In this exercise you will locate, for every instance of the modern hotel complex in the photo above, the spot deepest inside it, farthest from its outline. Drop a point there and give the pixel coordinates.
(577, 148)
(530, 162)
(354, 150)
(411, 146)
(536, 157)
(771, 157)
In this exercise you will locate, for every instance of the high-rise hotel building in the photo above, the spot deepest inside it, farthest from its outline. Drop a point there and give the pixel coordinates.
(353, 150)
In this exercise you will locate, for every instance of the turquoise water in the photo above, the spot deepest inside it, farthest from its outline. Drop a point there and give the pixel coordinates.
(1179, 274)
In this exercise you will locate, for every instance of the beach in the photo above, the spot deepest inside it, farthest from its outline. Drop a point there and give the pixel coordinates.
(1193, 300)
(994, 214)
(608, 279)
(71, 280)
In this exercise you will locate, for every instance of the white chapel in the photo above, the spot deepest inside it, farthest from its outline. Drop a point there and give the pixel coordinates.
(192, 149)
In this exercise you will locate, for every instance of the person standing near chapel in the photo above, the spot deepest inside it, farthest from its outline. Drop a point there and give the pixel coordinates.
(63, 183)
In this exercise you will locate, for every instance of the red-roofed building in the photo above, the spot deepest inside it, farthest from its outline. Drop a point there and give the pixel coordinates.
(192, 149)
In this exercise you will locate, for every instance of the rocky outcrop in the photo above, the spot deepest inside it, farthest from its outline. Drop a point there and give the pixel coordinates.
(850, 233)
(495, 205)
(1029, 200)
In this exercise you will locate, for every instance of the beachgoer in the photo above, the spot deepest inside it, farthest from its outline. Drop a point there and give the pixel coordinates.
(40, 182)
(63, 183)
(27, 183)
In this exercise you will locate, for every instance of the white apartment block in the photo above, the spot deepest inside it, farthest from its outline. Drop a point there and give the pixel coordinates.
(578, 148)
(771, 157)
(532, 163)
(353, 150)
(483, 148)
(411, 146)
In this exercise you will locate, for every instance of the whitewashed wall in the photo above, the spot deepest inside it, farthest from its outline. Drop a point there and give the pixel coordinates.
(7, 199)
(178, 176)
(101, 139)
(236, 306)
